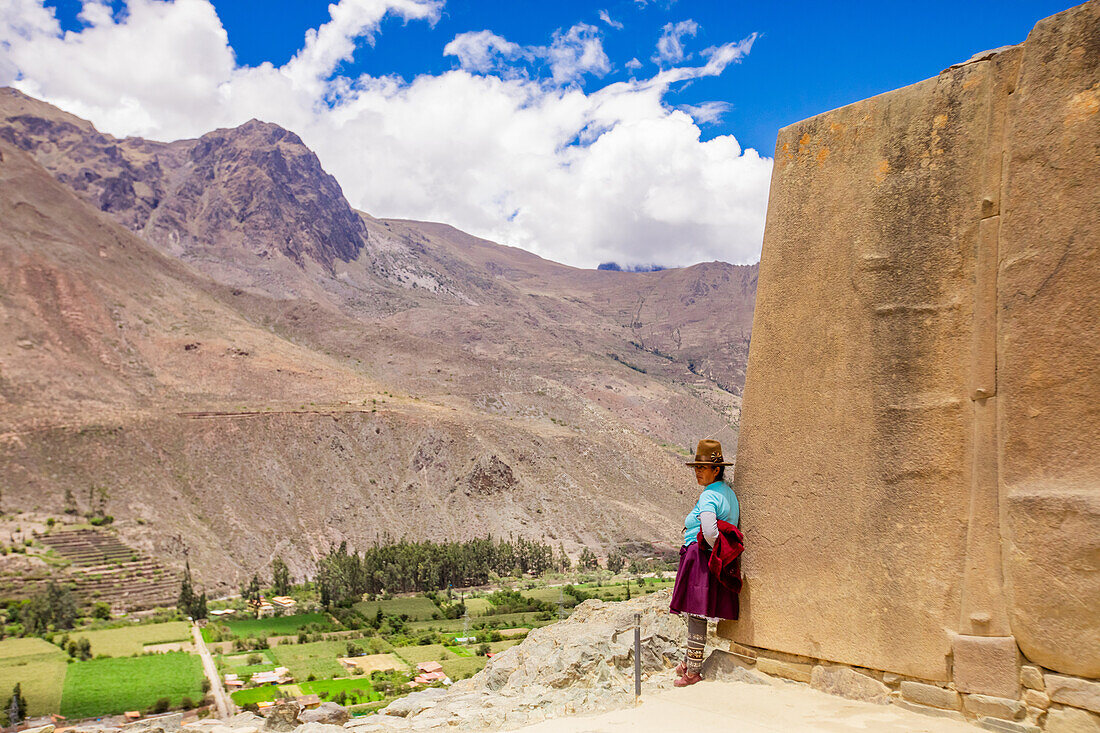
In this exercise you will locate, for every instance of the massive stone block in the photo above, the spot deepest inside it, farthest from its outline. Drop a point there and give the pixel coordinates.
(917, 456)
(1049, 346)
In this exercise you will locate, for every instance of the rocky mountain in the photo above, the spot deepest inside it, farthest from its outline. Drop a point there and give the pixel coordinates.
(254, 368)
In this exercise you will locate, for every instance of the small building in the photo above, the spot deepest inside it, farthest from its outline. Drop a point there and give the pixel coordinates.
(233, 680)
(465, 639)
(308, 701)
(428, 678)
(277, 676)
(221, 612)
(429, 667)
(284, 602)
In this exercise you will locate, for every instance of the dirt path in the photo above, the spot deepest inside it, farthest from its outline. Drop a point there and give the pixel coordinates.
(222, 702)
(735, 706)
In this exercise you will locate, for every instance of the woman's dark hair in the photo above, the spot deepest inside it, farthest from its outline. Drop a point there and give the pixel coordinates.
(721, 473)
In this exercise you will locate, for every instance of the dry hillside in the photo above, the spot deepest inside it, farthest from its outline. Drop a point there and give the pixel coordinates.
(253, 368)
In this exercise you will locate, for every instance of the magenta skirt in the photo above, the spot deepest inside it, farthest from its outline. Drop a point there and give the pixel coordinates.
(697, 591)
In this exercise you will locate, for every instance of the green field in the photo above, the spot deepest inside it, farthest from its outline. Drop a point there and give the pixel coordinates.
(30, 646)
(237, 661)
(502, 621)
(478, 606)
(462, 667)
(418, 608)
(39, 667)
(317, 658)
(277, 625)
(427, 653)
(460, 651)
(256, 694)
(113, 686)
(496, 647)
(550, 595)
(130, 640)
(349, 686)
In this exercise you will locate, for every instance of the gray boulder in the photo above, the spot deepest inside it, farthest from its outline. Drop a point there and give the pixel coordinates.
(282, 717)
(415, 702)
(245, 719)
(329, 713)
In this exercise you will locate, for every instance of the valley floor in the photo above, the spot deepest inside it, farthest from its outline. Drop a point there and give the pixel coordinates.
(712, 706)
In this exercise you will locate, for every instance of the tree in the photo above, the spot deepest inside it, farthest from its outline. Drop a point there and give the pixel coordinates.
(564, 563)
(102, 610)
(199, 611)
(17, 705)
(187, 592)
(615, 561)
(251, 591)
(588, 560)
(53, 606)
(280, 577)
(189, 603)
(80, 649)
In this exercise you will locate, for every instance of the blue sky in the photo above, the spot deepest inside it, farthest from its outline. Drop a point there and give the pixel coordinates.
(810, 57)
(636, 131)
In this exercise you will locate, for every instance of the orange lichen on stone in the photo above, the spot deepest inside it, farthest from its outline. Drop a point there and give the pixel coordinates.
(882, 170)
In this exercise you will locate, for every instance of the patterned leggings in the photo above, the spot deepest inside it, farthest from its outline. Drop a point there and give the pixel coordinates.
(696, 641)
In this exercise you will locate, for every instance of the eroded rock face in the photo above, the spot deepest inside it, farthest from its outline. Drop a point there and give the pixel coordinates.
(583, 664)
(922, 391)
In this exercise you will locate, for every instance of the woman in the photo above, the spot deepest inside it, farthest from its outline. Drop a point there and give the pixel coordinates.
(698, 593)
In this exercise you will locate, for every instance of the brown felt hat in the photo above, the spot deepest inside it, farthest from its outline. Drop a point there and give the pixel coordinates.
(708, 453)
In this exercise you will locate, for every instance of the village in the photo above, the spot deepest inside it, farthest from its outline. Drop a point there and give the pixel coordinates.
(126, 656)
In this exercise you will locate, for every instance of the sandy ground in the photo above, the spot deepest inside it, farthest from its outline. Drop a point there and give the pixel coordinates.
(372, 662)
(734, 706)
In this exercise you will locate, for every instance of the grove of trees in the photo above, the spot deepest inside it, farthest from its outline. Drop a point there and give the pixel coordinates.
(344, 576)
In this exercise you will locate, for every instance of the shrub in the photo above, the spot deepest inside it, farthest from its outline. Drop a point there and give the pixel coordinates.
(161, 705)
(187, 703)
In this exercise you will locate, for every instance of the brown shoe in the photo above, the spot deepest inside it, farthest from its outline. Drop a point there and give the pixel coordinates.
(681, 669)
(688, 679)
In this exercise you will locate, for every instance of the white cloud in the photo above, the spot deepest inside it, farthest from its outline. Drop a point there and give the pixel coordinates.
(578, 176)
(670, 46)
(481, 51)
(633, 64)
(706, 113)
(577, 52)
(606, 18)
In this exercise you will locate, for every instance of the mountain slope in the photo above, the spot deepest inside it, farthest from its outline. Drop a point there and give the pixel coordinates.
(254, 369)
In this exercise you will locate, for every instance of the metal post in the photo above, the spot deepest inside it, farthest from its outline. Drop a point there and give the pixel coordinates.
(637, 657)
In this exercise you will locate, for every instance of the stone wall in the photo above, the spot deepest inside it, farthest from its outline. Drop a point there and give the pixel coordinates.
(919, 457)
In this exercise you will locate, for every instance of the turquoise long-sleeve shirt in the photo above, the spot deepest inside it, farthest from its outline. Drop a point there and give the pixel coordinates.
(718, 498)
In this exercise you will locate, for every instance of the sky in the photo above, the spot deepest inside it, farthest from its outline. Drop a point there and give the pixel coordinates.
(630, 131)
